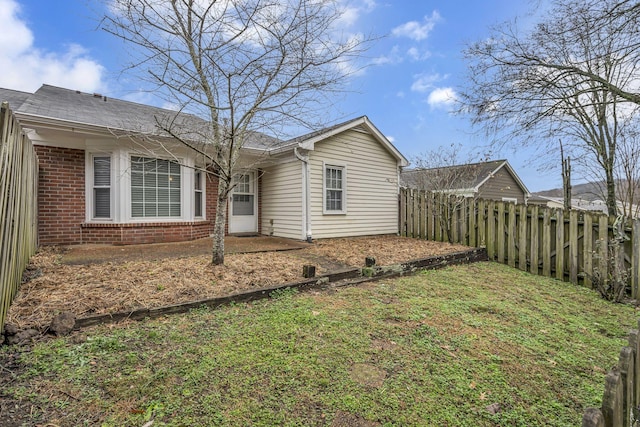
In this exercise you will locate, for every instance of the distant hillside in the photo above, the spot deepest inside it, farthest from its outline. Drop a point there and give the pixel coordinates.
(589, 191)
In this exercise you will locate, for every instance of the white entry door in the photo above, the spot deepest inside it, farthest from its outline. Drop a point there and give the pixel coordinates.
(243, 204)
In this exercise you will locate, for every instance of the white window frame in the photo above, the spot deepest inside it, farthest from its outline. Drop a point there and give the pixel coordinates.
(513, 200)
(199, 179)
(337, 166)
(183, 210)
(90, 188)
(120, 194)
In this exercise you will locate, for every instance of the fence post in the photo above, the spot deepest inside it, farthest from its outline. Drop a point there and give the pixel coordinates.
(464, 222)
(482, 228)
(500, 232)
(603, 246)
(634, 343)
(627, 377)
(473, 232)
(491, 230)
(534, 265)
(511, 243)
(402, 211)
(573, 247)
(612, 400)
(546, 242)
(588, 249)
(559, 244)
(431, 216)
(522, 238)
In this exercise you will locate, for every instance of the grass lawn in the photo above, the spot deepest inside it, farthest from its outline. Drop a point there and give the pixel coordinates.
(436, 348)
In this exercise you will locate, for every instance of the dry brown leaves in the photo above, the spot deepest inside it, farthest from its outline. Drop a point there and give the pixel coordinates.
(122, 286)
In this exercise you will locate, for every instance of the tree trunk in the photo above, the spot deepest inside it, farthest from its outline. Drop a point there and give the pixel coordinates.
(219, 225)
(612, 204)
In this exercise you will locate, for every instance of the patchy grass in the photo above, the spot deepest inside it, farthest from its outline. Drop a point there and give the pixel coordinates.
(133, 277)
(433, 349)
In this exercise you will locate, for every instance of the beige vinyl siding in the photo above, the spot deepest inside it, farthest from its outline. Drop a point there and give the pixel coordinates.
(501, 185)
(371, 187)
(282, 200)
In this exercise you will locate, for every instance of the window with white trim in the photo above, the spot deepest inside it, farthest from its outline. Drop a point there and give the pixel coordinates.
(510, 200)
(243, 195)
(198, 193)
(102, 187)
(334, 189)
(155, 188)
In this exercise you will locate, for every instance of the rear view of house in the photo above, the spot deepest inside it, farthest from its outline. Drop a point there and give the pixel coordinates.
(108, 175)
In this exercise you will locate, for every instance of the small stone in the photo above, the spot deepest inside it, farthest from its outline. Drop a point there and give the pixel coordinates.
(22, 337)
(494, 408)
(10, 329)
(63, 323)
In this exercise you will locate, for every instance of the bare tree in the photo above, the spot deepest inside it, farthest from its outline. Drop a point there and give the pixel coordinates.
(444, 170)
(245, 66)
(575, 76)
(628, 174)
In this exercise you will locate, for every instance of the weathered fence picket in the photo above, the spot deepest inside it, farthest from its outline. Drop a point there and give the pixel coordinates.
(18, 206)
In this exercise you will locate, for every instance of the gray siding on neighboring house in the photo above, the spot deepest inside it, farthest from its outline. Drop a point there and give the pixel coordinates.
(372, 186)
(501, 185)
(282, 200)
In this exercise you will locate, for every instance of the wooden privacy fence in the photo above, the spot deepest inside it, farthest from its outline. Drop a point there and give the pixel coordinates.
(571, 246)
(622, 391)
(18, 206)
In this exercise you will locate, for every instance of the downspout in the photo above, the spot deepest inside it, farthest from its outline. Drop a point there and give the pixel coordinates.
(306, 200)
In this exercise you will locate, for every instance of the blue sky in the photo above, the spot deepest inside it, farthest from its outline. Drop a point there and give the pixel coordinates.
(414, 72)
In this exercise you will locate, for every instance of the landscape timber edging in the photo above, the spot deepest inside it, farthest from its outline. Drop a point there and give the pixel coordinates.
(357, 275)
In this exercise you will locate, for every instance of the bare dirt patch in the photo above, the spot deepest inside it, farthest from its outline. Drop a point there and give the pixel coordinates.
(160, 278)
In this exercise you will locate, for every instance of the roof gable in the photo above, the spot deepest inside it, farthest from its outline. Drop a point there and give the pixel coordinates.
(362, 124)
(464, 178)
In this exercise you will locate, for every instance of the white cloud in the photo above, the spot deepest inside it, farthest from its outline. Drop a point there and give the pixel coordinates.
(25, 67)
(443, 97)
(393, 57)
(391, 139)
(417, 30)
(415, 54)
(425, 82)
(351, 12)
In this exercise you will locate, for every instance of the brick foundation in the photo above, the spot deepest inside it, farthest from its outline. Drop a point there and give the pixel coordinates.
(133, 234)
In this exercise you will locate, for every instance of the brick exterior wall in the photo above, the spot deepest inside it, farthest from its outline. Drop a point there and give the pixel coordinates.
(155, 232)
(61, 201)
(61, 205)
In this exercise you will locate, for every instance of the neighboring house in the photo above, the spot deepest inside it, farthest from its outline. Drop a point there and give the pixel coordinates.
(103, 178)
(580, 204)
(493, 180)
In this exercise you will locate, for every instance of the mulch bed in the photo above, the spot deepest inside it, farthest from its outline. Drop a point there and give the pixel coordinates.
(113, 285)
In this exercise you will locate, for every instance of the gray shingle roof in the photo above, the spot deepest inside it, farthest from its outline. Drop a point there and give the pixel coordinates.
(461, 177)
(97, 110)
(15, 98)
(116, 115)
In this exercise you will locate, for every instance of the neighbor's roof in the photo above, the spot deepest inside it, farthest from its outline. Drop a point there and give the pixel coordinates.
(475, 175)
